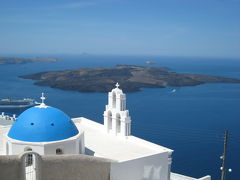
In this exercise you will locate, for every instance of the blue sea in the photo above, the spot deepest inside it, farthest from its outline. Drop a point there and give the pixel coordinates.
(191, 120)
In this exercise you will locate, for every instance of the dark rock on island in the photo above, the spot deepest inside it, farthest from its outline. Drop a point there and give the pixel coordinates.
(131, 78)
(15, 60)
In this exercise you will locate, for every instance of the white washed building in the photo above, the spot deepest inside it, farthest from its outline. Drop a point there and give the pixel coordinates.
(49, 131)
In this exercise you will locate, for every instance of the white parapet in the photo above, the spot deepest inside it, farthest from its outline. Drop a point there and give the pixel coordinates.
(175, 176)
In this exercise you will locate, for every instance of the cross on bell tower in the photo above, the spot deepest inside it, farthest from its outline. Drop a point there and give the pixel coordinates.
(117, 85)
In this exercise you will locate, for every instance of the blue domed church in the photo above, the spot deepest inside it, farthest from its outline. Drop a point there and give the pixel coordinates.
(45, 130)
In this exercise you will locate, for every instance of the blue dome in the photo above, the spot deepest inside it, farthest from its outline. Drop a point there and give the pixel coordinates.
(42, 124)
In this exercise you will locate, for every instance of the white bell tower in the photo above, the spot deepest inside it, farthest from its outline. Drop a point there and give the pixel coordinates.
(116, 118)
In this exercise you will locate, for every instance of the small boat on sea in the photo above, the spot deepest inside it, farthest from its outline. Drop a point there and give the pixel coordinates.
(9, 103)
(174, 90)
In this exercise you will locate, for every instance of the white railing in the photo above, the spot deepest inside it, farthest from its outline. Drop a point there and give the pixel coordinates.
(8, 117)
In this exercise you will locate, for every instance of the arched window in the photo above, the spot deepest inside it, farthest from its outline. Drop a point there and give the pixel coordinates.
(59, 151)
(29, 157)
(114, 100)
(27, 149)
(109, 120)
(118, 123)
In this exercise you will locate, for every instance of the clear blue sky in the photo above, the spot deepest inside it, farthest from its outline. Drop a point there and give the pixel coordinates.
(151, 27)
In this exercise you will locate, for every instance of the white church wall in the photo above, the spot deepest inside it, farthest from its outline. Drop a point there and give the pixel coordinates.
(153, 167)
(3, 131)
(17, 148)
(69, 146)
(82, 144)
(74, 145)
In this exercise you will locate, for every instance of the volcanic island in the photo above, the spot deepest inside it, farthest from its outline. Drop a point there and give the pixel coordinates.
(131, 78)
(17, 60)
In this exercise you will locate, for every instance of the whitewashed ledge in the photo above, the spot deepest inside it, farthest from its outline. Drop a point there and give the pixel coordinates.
(175, 176)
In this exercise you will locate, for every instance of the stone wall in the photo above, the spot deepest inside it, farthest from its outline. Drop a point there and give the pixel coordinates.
(10, 168)
(57, 167)
(75, 167)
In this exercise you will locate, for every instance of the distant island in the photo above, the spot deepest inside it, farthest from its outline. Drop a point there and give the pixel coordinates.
(15, 60)
(131, 78)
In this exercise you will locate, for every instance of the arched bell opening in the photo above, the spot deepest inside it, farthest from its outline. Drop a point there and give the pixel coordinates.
(118, 123)
(114, 100)
(109, 120)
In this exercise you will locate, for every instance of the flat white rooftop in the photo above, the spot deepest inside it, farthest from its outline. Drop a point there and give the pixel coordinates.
(102, 144)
